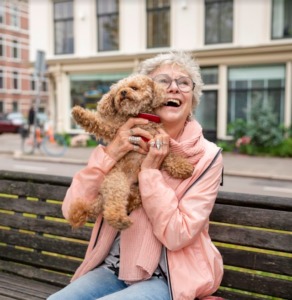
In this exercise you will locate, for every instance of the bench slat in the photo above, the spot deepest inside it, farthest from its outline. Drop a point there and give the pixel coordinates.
(257, 284)
(22, 205)
(251, 237)
(42, 243)
(44, 226)
(259, 201)
(257, 260)
(250, 216)
(228, 295)
(36, 259)
(32, 189)
(16, 295)
(35, 273)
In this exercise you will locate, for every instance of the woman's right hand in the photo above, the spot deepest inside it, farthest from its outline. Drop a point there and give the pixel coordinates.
(121, 144)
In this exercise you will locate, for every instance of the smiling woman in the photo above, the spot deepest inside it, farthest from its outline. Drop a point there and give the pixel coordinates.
(166, 253)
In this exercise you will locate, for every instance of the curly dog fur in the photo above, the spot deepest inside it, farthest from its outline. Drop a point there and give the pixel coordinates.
(117, 196)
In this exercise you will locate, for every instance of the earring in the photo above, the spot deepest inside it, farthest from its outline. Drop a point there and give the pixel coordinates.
(190, 116)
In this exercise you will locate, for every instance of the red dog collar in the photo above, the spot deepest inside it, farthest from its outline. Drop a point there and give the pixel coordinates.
(150, 117)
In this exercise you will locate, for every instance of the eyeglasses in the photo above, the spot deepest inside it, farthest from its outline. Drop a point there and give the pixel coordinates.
(184, 83)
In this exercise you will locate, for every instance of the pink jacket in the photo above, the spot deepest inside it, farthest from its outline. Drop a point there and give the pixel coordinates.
(178, 221)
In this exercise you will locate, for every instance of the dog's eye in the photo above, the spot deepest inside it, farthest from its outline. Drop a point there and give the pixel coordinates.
(134, 88)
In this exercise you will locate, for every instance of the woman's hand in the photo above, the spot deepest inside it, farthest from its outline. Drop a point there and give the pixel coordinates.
(128, 138)
(159, 148)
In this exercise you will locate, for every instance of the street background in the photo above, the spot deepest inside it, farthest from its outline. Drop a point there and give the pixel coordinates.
(242, 173)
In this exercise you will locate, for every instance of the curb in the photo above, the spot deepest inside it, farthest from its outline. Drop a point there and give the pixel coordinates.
(257, 175)
(19, 156)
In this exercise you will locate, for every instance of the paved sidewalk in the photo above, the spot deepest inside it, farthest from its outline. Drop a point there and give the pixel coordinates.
(234, 164)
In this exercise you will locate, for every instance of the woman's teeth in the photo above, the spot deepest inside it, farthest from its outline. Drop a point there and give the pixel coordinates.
(173, 102)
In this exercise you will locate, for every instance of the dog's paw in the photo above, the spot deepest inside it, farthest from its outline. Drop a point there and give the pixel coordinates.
(78, 215)
(184, 171)
(177, 166)
(118, 222)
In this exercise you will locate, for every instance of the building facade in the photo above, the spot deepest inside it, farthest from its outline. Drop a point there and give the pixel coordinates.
(244, 48)
(17, 83)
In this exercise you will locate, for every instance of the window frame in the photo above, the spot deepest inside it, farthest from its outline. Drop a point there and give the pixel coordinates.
(14, 16)
(218, 32)
(273, 20)
(2, 79)
(64, 21)
(2, 46)
(102, 47)
(249, 91)
(151, 40)
(15, 49)
(2, 13)
(15, 80)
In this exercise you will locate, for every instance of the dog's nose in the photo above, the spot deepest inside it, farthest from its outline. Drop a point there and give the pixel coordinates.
(124, 93)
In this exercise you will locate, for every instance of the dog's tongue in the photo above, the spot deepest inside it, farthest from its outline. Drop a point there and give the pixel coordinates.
(150, 117)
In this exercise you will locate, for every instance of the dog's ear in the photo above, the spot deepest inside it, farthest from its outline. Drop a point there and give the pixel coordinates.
(106, 105)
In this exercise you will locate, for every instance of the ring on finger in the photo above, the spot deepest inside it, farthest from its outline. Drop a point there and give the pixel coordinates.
(152, 143)
(134, 139)
(158, 144)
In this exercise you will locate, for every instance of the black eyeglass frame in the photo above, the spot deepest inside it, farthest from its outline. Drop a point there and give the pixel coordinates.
(176, 81)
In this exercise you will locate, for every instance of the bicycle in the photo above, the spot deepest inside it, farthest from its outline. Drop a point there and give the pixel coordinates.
(52, 144)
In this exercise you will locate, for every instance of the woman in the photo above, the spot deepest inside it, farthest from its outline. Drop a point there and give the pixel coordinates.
(167, 252)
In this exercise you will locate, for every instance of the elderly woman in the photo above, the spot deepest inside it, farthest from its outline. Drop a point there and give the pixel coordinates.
(167, 253)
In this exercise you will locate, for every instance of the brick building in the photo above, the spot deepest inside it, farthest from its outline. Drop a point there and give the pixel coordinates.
(17, 82)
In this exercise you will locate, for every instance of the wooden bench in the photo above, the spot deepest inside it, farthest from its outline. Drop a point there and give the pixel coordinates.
(39, 251)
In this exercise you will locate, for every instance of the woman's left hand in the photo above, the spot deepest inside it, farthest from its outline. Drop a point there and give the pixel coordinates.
(159, 148)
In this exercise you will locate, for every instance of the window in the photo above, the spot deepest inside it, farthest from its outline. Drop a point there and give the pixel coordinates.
(209, 75)
(1, 47)
(63, 22)
(282, 19)
(14, 17)
(2, 12)
(87, 89)
(249, 85)
(1, 79)
(15, 106)
(15, 50)
(218, 21)
(15, 80)
(108, 24)
(32, 83)
(158, 23)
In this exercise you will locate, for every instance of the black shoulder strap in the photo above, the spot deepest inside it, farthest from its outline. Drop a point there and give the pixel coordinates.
(206, 170)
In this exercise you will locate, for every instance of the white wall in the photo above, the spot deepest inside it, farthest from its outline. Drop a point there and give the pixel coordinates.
(85, 36)
(39, 26)
(251, 22)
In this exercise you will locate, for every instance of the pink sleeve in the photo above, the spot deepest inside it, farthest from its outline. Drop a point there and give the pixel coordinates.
(177, 223)
(86, 182)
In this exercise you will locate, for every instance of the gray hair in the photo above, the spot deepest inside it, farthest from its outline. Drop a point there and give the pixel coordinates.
(183, 60)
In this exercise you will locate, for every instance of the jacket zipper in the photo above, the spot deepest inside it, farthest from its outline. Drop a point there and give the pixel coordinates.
(164, 248)
(97, 235)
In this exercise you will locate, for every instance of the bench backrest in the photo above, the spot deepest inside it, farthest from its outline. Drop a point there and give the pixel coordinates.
(253, 233)
(34, 239)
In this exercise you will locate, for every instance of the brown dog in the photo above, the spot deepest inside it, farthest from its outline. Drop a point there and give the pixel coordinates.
(117, 197)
